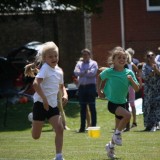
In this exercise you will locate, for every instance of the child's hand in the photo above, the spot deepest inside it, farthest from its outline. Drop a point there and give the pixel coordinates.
(64, 100)
(129, 77)
(134, 84)
(101, 94)
(45, 104)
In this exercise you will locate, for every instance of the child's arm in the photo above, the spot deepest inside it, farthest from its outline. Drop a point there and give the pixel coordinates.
(135, 69)
(38, 89)
(60, 103)
(134, 84)
(64, 95)
(140, 82)
(99, 87)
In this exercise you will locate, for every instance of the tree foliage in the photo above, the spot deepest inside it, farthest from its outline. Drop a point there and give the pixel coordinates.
(9, 6)
(91, 6)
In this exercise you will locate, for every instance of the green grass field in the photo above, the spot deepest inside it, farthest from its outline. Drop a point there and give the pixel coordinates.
(16, 142)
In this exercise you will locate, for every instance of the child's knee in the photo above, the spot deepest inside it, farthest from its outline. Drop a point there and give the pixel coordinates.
(35, 137)
(129, 115)
(59, 129)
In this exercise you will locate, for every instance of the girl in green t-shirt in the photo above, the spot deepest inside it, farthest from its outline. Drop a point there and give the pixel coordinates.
(117, 80)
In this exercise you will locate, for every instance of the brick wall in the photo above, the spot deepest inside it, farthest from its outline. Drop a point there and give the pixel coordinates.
(106, 31)
(142, 29)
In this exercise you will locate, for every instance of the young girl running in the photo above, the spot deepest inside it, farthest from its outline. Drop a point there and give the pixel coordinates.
(47, 83)
(118, 79)
(31, 71)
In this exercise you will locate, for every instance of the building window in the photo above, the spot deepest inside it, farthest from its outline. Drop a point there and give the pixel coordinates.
(153, 5)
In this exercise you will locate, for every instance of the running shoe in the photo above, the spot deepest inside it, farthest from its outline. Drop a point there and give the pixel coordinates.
(110, 151)
(117, 139)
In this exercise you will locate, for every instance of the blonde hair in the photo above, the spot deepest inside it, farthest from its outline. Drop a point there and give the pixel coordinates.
(115, 51)
(46, 47)
(130, 51)
(31, 69)
(129, 60)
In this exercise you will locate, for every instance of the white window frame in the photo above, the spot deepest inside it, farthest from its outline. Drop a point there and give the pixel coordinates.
(152, 8)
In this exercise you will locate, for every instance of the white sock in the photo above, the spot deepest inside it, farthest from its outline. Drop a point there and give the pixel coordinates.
(111, 144)
(59, 155)
(117, 131)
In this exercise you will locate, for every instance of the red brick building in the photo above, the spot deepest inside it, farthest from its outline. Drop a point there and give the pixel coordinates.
(126, 23)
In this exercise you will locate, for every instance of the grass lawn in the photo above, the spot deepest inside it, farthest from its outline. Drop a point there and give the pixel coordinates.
(16, 142)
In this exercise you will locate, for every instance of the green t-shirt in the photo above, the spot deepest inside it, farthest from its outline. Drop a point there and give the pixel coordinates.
(117, 83)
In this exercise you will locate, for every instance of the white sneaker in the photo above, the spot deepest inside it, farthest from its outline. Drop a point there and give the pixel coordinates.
(110, 151)
(153, 129)
(117, 139)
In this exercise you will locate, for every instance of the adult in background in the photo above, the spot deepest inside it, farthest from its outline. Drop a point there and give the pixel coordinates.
(86, 69)
(132, 53)
(151, 104)
(157, 59)
(132, 94)
(136, 62)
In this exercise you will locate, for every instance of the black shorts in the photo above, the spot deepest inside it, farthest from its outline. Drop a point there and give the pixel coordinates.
(40, 114)
(112, 108)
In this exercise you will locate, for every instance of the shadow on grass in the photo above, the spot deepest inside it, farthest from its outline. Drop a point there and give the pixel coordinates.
(143, 131)
(17, 116)
(72, 109)
(108, 159)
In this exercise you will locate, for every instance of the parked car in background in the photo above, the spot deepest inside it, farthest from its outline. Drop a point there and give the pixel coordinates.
(22, 55)
(12, 66)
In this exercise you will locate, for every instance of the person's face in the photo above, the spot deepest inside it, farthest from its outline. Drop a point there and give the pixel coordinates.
(86, 56)
(120, 60)
(51, 58)
(151, 56)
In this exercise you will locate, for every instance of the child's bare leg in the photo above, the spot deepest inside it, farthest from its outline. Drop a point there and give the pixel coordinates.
(134, 113)
(132, 104)
(116, 126)
(121, 124)
(117, 122)
(88, 117)
(56, 123)
(63, 118)
(126, 117)
(36, 129)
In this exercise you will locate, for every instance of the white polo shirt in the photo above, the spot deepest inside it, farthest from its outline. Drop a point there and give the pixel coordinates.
(52, 78)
